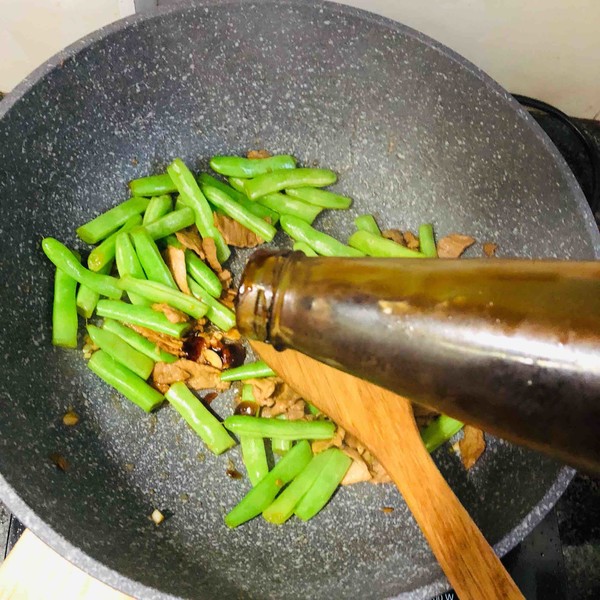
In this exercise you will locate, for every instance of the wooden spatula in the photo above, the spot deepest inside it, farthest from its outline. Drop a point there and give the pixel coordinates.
(384, 422)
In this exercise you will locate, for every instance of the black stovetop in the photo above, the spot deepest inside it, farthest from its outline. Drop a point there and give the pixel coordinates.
(560, 559)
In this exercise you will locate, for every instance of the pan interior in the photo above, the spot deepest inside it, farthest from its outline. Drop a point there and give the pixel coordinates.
(416, 136)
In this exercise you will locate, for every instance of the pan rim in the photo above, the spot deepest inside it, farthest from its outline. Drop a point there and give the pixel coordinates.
(114, 578)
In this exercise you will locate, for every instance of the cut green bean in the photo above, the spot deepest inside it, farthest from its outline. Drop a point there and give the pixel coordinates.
(144, 316)
(171, 223)
(302, 247)
(320, 242)
(158, 207)
(153, 185)
(375, 245)
(192, 196)
(427, 240)
(253, 370)
(121, 351)
(129, 264)
(203, 274)
(283, 506)
(285, 430)
(260, 497)
(439, 431)
(313, 410)
(138, 341)
(238, 184)
(322, 198)
(254, 457)
(236, 166)
(88, 298)
(206, 180)
(64, 259)
(199, 418)
(289, 178)
(216, 312)
(278, 445)
(237, 212)
(126, 382)
(64, 310)
(106, 223)
(104, 253)
(367, 223)
(247, 393)
(149, 256)
(289, 206)
(324, 485)
(160, 293)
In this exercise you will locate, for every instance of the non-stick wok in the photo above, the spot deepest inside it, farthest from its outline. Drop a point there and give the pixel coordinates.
(416, 133)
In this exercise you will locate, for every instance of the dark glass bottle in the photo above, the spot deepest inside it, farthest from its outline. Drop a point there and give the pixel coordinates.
(512, 346)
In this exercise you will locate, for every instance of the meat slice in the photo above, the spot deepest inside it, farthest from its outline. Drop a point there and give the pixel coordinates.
(234, 233)
(263, 390)
(175, 259)
(489, 249)
(395, 235)
(174, 315)
(210, 251)
(166, 342)
(412, 241)
(258, 154)
(190, 239)
(453, 245)
(471, 445)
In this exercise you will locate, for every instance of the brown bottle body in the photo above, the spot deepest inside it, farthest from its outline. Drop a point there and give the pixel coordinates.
(512, 346)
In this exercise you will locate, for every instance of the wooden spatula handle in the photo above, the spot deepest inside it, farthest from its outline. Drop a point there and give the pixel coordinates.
(384, 422)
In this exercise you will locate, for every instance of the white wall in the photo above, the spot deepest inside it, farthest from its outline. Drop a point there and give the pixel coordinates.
(549, 49)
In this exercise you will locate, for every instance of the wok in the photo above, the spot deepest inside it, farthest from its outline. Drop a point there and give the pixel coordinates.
(416, 133)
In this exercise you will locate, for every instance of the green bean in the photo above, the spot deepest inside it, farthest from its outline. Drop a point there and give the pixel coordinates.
(88, 298)
(238, 184)
(64, 310)
(254, 370)
(64, 259)
(179, 204)
(375, 245)
(278, 445)
(367, 223)
(324, 485)
(313, 410)
(160, 293)
(140, 315)
(237, 212)
(192, 196)
(153, 185)
(121, 351)
(283, 506)
(206, 180)
(149, 256)
(439, 432)
(291, 178)
(158, 207)
(126, 382)
(171, 223)
(217, 313)
(302, 247)
(235, 166)
(129, 264)
(247, 393)
(254, 457)
(138, 341)
(427, 240)
(199, 418)
(285, 430)
(203, 274)
(103, 225)
(104, 253)
(288, 206)
(260, 497)
(322, 198)
(320, 242)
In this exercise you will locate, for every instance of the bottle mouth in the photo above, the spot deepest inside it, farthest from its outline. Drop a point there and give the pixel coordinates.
(256, 293)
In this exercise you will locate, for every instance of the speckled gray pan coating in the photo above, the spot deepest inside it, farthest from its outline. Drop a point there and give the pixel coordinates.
(416, 133)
